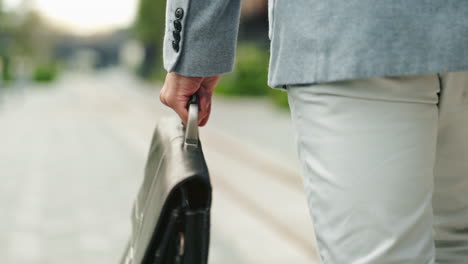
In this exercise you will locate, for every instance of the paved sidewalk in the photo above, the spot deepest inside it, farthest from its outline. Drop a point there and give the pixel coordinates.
(72, 157)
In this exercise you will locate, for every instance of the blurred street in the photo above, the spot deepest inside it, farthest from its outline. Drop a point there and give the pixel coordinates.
(72, 155)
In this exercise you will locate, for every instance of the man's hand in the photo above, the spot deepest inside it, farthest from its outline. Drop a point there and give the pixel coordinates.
(178, 89)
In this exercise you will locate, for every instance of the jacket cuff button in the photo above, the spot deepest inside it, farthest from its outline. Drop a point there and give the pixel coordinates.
(175, 46)
(177, 25)
(179, 13)
(176, 35)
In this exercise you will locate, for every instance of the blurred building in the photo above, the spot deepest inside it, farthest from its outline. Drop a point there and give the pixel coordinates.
(254, 6)
(106, 48)
(254, 21)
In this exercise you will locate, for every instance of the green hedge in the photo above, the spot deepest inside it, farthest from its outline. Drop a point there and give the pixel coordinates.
(250, 76)
(45, 72)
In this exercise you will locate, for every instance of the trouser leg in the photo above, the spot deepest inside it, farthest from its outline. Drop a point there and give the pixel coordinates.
(450, 199)
(367, 149)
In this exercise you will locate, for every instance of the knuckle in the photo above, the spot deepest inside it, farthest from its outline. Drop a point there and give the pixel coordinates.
(162, 98)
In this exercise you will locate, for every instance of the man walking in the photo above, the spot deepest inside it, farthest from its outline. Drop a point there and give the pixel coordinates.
(378, 92)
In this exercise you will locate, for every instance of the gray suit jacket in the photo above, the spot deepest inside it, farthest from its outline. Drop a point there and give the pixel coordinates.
(323, 40)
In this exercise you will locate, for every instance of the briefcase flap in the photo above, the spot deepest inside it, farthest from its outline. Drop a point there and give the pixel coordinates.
(170, 165)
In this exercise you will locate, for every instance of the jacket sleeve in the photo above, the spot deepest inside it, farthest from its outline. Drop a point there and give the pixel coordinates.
(200, 36)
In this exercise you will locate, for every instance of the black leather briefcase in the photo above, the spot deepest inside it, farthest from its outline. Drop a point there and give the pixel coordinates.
(171, 215)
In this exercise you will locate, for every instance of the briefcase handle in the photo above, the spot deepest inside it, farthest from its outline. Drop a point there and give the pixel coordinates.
(191, 130)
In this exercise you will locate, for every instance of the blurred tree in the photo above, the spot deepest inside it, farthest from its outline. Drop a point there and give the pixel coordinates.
(26, 34)
(26, 41)
(34, 37)
(5, 44)
(2, 32)
(149, 28)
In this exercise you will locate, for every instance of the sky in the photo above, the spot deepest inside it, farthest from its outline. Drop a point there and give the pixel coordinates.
(84, 16)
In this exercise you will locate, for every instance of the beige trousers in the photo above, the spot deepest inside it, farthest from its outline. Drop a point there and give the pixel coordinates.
(385, 167)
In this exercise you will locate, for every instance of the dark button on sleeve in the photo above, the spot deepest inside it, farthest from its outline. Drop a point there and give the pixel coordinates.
(179, 13)
(176, 35)
(175, 45)
(177, 25)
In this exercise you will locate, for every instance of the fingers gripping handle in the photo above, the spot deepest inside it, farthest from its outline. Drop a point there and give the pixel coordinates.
(191, 131)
